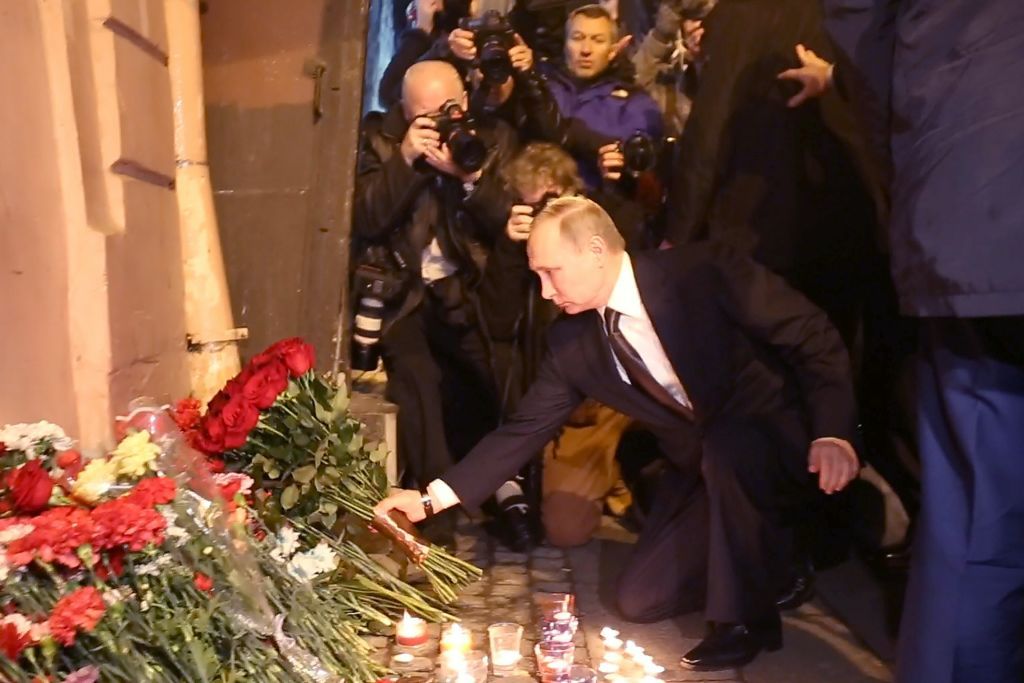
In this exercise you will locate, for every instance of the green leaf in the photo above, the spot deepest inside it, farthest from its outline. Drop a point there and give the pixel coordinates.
(356, 443)
(379, 455)
(339, 402)
(289, 497)
(304, 475)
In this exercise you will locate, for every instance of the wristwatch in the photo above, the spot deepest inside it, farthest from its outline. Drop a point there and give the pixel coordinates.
(427, 502)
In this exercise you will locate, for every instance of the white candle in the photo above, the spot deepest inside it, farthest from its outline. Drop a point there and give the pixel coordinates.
(608, 633)
(505, 659)
(456, 640)
(410, 631)
(613, 657)
(612, 644)
(608, 667)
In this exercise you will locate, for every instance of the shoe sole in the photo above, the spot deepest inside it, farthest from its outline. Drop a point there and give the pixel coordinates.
(773, 646)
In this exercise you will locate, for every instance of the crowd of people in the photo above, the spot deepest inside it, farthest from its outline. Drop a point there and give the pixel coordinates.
(668, 260)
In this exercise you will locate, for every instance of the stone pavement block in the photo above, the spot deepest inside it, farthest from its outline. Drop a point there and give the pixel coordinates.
(727, 676)
(546, 551)
(561, 587)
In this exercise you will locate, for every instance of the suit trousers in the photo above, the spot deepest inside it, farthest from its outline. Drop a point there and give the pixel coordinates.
(716, 537)
(963, 620)
(440, 378)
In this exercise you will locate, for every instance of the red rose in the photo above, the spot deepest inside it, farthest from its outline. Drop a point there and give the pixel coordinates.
(30, 487)
(209, 438)
(296, 354)
(216, 403)
(264, 385)
(238, 417)
(203, 582)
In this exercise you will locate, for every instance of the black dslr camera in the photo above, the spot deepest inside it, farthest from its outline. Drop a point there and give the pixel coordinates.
(494, 37)
(640, 152)
(456, 129)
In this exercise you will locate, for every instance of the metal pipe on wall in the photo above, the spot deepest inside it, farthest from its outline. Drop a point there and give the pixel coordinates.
(213, 357)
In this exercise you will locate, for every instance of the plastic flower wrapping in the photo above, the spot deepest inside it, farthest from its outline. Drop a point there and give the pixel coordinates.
(151, 563)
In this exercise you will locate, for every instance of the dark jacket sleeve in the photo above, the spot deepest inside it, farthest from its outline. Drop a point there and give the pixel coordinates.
(769, 310)
(503, 452)
(704, 138)
(385, 185)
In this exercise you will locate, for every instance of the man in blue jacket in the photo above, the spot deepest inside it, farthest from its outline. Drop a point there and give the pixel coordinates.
(598, 105)
(940, 82)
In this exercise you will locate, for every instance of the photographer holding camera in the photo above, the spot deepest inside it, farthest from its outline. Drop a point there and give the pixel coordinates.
(596, 106)
(429, 194)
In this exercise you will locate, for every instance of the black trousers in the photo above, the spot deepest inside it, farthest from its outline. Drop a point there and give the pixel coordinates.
(719, 534)
(439, 377)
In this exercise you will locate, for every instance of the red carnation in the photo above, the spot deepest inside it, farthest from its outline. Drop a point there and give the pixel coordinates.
(119, 523)
(265, 384)
(238, 418)
(79, 611)
(215, 465)
(186, 414)
(151, 492)
(56, 536)
(203, 582)
(14, 641)
(30, 487)
(110, 565)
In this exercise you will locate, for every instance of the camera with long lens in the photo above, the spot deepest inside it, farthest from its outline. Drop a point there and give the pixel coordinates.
(493, 36)
(376, 286)
(455, 127)
(640, 153)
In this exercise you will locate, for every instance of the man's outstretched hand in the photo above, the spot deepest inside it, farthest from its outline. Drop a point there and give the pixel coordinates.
(814, 74)
(403, 500)
(835, 464)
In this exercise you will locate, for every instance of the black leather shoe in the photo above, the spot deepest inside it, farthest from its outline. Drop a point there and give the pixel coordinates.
(729, 646)
(799, 591)
(516, 531)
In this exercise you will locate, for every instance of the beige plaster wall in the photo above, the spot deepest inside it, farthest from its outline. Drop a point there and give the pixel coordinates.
(91, 294)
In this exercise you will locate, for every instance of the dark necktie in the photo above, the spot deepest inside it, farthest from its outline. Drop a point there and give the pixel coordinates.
(635, 368)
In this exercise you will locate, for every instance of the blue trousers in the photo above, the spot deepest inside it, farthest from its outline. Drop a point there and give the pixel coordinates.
(963, 620)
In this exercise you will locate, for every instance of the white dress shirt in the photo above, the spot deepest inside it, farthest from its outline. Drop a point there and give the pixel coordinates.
(636, 327)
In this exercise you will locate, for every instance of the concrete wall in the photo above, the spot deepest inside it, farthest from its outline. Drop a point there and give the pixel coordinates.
(91, 295)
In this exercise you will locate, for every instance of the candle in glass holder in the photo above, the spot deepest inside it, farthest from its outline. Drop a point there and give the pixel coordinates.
(410, 631)
(455, 639)
(554, 660)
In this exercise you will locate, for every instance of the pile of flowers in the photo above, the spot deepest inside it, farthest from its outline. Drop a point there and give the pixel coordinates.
(288, 428)
(127, 567)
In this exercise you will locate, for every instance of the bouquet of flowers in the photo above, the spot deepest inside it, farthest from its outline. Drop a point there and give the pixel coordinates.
(289, 429)
(141, 565)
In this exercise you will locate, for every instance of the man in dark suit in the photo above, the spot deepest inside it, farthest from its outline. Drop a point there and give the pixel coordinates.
(732, 370)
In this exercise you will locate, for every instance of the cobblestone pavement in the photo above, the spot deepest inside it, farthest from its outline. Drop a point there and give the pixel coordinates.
(818, 648)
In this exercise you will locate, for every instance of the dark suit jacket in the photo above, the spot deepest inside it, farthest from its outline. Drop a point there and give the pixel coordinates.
(744, 344)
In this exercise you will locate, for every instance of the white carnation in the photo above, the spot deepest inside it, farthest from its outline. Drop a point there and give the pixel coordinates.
(310, 564)
(14, 532)
(287, 542)
(28, 437)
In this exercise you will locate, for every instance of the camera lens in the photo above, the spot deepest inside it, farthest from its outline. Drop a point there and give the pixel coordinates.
(495, 64)
(366, 333)
(639, 153)
(468, 151)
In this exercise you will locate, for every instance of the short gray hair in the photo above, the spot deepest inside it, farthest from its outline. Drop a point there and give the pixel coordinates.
(579, 219)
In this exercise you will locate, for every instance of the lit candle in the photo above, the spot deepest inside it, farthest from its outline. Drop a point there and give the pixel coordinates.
(653, 670)
(614, 657)
(607, 667)
(410, 631)
(609, 633)
(455, 640)
(612, 644)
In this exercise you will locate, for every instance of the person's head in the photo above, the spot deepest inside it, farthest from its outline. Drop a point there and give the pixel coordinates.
(590, 41)
(428, 85)
(576, 252)
(540, 169)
